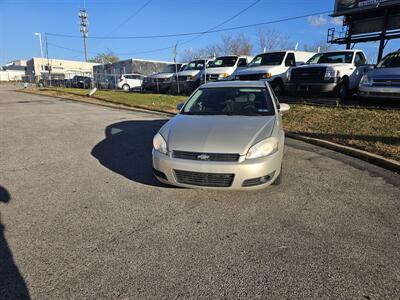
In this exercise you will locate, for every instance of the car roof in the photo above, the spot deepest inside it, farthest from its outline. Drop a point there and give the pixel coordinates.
(341, 50)
(242, 84)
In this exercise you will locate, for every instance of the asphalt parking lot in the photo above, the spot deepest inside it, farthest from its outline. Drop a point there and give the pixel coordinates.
(82, 217)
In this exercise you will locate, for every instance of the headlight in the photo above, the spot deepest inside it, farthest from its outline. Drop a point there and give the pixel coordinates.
(266, 75)
(365, 80)
(160, 144)
(191, 78)
(264, 148)
(224, 75)
(329, 74)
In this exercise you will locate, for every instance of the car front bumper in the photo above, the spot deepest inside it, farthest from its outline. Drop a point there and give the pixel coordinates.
(311, 87)
(268, 167)
(379, 92)
(161, 86)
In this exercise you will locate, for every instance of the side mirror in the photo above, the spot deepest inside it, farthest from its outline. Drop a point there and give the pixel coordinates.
(284, 108)
(180, 105)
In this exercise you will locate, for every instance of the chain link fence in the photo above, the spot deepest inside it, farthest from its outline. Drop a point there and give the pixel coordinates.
(104, 81)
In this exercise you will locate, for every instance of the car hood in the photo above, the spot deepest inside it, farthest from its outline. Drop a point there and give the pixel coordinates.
(216, 134)
(340, 65)
(385, 73)
(221, 70)
(189, 73)
(256, 70)
(162, 75)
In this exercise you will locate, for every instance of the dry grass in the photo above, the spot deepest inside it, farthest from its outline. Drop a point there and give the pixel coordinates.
(372, 130)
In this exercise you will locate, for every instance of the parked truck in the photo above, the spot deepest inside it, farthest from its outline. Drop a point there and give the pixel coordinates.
(162, 81)
(224, 66)
(335, 72)
(272, 67)
(190, 78)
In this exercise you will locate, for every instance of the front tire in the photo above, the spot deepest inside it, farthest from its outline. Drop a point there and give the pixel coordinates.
(126, 88)
(278, 88)
(343, 90)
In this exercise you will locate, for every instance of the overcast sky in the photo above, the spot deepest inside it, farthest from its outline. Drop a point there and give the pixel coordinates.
(21, 18)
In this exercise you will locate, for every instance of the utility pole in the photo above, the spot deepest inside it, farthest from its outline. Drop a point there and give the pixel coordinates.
(48, 60)
(176, 68)
(84, 23)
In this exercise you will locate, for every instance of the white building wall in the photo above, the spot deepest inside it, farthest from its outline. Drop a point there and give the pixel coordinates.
(11, 75)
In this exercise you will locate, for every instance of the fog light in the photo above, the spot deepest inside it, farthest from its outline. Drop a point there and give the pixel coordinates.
(258, 180)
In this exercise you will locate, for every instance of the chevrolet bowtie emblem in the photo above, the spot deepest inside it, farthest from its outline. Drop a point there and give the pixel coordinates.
(203, 156)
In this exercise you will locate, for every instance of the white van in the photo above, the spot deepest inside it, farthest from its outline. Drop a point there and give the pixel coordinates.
(190, 78)
(224, 66)
(273, 67)
(129, 82)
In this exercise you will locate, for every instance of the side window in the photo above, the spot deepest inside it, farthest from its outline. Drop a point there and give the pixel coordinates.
(290, 60)
(242, 62)
(359, 59)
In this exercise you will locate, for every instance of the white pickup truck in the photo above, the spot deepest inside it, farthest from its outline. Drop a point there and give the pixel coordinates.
(272, 67)
(335, 72)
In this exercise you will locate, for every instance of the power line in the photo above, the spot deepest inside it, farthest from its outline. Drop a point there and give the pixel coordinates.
(195, 33)
(201, 33)
(196, 37)
(222, 23)
(129, 18)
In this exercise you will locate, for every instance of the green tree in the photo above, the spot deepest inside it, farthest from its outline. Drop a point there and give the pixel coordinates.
(105, 57)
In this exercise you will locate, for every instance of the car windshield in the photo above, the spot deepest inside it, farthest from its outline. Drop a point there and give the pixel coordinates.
(331, 58)
(268, 59)
(170, 68)
(230, 101)
(226, 61)
(195, 65)
(390, 61)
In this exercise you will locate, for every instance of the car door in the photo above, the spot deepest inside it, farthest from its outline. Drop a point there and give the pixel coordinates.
(136, 81)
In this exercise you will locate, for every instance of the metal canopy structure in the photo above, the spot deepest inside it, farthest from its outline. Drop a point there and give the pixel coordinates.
(366, 21)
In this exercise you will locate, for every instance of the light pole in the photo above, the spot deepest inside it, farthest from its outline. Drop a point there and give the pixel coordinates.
(84, 28)
(40, 42)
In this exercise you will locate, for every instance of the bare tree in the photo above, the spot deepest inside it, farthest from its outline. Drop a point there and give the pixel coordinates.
(271, 40)
(229, 45)
(320, 46)
(236, 45)
(187, 55)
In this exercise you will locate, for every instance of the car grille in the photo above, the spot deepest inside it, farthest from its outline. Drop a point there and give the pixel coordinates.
(308, 74)
(387, 82)
(250, 77)
(182, 78)
(205, 156)
(212, 77)
(204, 179)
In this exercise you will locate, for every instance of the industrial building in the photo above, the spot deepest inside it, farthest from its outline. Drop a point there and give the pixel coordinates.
(67, 69)
(130, 66)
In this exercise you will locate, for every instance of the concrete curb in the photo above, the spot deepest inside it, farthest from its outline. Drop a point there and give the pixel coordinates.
(102, 102)
(363, 155)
